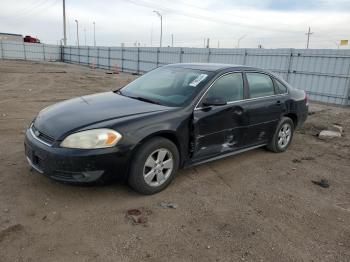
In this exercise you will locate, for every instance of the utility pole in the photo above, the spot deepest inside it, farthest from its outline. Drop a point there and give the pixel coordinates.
(208, 40)
(64, 23)
(94, 34)
(76, 21)
(161, 27)
(85, 36)
(218, 44)
(172, 40)
(309, 33)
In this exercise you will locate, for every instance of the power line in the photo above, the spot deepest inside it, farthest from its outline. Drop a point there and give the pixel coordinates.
(208, 18)
(34, 10)
(24, 11)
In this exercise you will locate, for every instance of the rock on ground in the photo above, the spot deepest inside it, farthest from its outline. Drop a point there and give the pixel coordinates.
(328, 134)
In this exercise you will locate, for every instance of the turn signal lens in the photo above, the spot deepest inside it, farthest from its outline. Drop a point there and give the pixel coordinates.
(111, 137)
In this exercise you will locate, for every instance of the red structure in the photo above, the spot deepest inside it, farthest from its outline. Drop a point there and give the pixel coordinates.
(29, 39)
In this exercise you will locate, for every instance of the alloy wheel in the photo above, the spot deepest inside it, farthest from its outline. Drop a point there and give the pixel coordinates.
(284, 135)
(158, 167)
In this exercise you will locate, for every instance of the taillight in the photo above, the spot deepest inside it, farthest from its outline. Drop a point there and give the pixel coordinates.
(306, 99)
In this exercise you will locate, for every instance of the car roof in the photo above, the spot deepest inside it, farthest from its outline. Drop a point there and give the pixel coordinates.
(213, 66)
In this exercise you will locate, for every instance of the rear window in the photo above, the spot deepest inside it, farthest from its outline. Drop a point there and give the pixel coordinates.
(281, 88)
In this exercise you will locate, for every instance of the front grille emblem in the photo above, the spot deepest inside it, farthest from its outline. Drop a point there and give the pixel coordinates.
(36, 133)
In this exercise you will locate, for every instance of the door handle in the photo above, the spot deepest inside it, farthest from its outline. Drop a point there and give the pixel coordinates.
(278, 102)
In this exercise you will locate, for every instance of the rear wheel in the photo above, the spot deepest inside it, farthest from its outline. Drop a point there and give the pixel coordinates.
(283, 136)
(154, 166)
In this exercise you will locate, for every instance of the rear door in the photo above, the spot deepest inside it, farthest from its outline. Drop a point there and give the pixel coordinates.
(264, 108)
(218, 129)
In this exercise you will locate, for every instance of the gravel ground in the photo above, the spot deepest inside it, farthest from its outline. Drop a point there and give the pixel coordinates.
(256, 206)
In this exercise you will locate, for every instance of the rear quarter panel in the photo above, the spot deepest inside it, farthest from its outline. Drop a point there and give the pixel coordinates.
(300, 106)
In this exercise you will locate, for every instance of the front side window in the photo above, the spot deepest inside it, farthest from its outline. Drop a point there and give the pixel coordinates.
(170, 86)
(228, 87)
(260, 85)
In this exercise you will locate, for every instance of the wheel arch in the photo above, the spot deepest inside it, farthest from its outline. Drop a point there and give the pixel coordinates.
(170, 135)
(294, 118)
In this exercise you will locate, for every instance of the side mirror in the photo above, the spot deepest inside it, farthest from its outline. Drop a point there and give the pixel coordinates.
(214, 101)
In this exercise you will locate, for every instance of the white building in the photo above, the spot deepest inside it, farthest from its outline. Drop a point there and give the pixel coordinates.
(11, 37)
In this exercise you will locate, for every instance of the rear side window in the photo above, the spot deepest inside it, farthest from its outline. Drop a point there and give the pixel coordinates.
(260, 85)
(281, 89)
(228, 87)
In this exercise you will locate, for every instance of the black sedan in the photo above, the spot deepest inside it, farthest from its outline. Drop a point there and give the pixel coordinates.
(175, 116)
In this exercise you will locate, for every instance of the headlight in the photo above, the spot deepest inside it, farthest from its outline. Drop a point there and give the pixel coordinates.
(91, 139)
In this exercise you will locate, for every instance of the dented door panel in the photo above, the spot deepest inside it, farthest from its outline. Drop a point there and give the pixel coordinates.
(218, 130)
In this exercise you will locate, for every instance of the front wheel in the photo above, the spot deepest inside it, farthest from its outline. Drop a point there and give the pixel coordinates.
(153, 166)
(283, 136)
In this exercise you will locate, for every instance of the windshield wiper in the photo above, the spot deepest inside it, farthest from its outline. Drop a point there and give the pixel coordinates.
(145, 99)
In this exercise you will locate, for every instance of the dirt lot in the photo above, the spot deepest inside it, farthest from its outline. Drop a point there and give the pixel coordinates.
(257, 206)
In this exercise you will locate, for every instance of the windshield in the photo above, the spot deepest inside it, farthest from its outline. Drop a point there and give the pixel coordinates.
(168, 86)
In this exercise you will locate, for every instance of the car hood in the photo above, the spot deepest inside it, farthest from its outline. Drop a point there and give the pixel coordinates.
(73, 114)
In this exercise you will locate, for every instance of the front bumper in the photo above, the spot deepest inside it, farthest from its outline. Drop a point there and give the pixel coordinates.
(75, 165)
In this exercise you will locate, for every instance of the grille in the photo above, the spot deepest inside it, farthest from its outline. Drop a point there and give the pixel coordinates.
(42, 136)
(64, 175)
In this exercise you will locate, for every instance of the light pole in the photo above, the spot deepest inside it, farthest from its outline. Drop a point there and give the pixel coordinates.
(76, 21)
(64, 24)
(85, 36)
(239, 40)
(161, 27)
(152, 35)
(94, 35)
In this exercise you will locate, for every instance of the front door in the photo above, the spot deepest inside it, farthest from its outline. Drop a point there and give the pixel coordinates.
(219, 129)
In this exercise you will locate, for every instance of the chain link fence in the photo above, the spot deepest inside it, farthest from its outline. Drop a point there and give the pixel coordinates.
(323, 73)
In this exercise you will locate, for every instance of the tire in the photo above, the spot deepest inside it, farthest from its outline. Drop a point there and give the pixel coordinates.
(276, 145)
(151, 170)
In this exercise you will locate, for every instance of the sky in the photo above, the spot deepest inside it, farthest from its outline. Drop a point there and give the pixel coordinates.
(227, 23)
